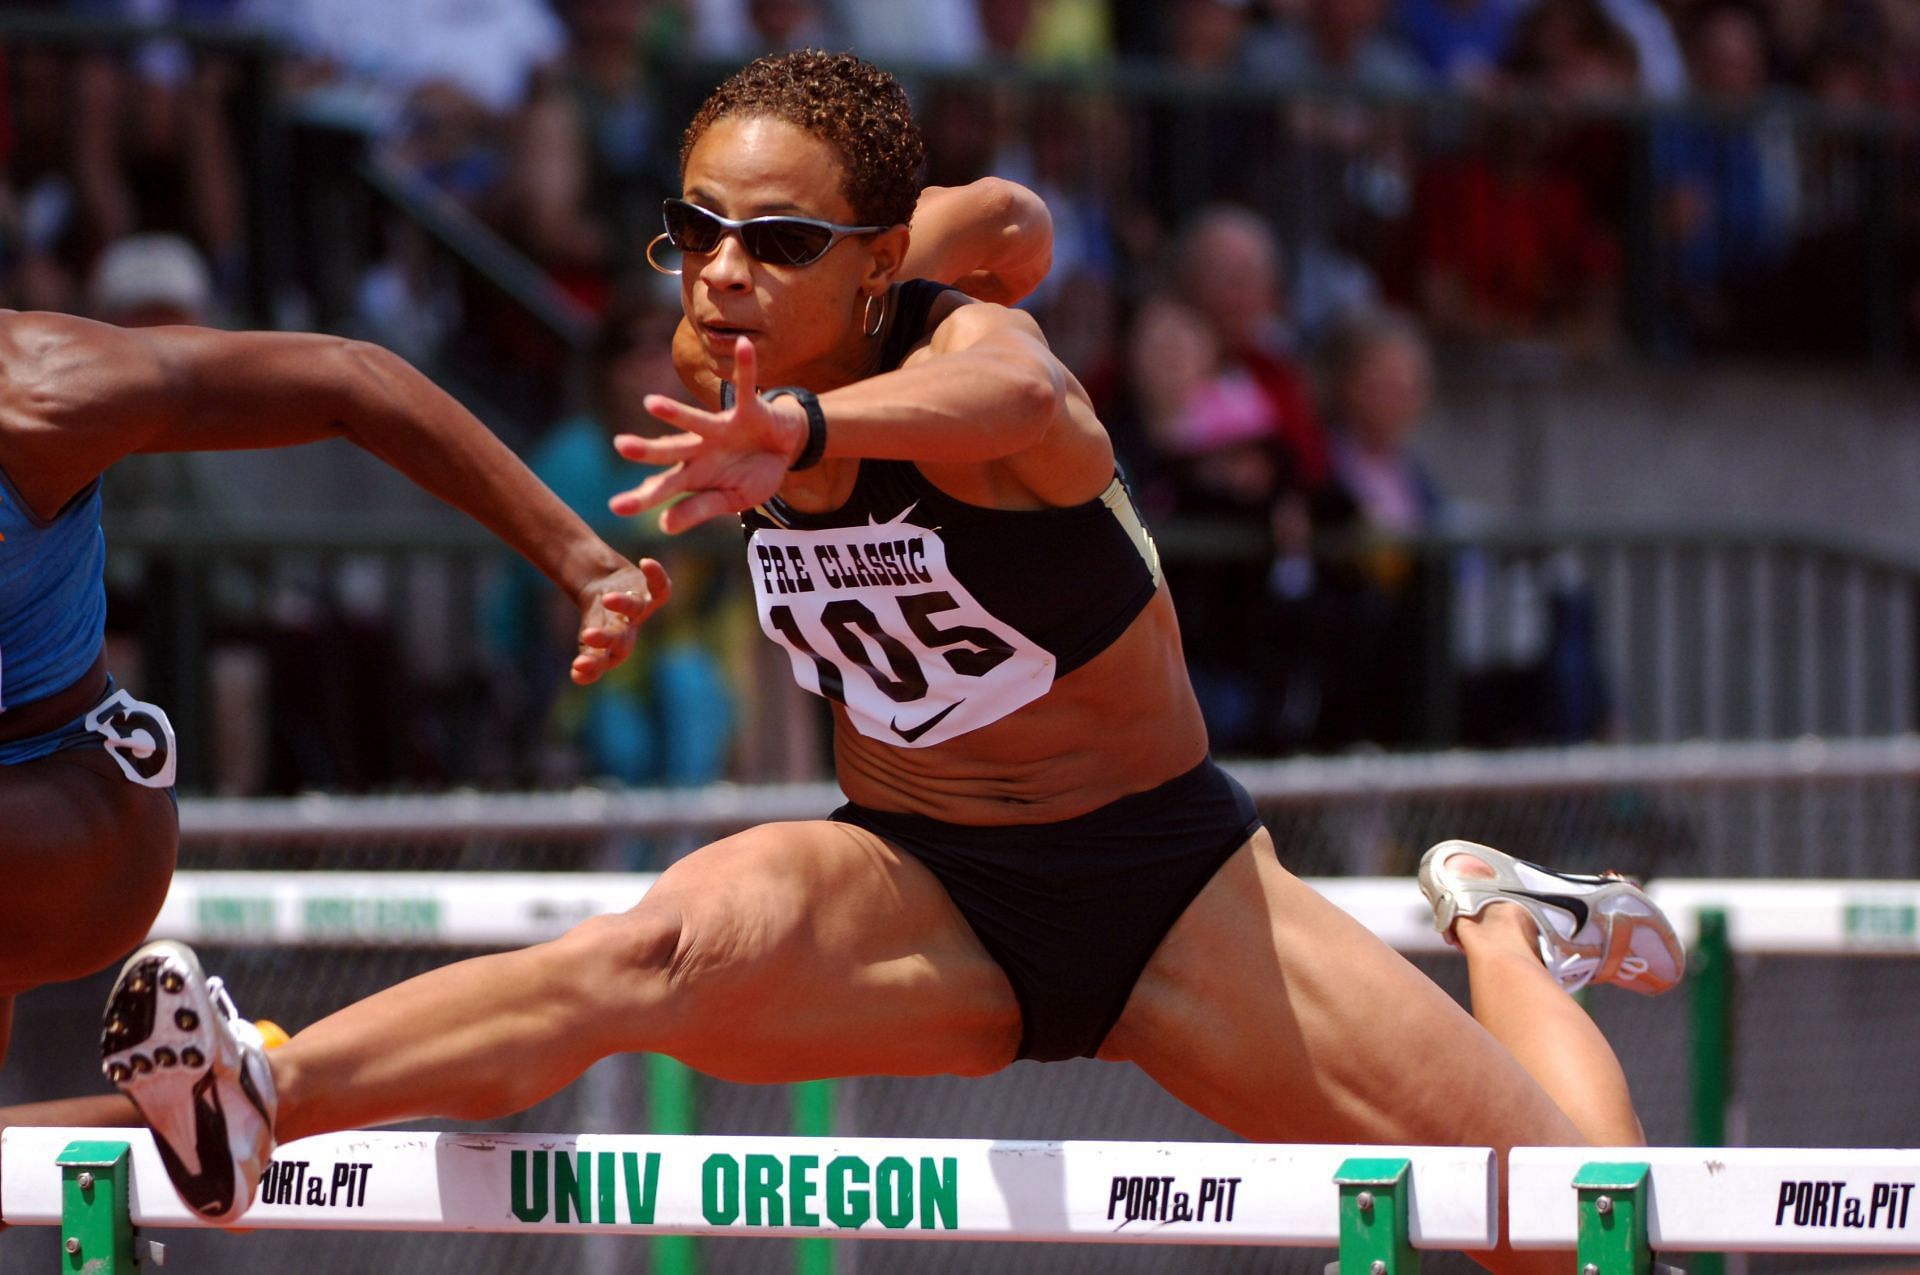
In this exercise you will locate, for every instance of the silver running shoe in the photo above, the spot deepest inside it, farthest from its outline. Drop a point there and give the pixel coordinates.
(1593, 929)
(172, 1042)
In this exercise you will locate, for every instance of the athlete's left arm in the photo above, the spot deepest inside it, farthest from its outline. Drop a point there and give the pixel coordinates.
(985, 389)
(992, 239)
(204, 390)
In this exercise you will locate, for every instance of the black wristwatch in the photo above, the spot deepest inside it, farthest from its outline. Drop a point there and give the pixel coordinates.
(816, 443)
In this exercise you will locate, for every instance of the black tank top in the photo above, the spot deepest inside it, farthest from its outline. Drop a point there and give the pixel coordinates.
(929, 617)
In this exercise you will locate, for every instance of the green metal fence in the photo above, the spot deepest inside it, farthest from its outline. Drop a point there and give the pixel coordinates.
(1691, 634)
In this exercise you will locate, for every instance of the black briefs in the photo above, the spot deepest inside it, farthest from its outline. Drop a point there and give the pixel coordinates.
(1072, 911)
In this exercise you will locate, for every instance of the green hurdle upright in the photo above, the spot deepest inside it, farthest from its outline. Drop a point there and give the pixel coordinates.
(813, 1118)
(672, 1108)
(1373, 1217)
(1613, 1219)
(96, 1230)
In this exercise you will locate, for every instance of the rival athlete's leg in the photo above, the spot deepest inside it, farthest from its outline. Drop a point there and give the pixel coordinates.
(86, 856)
(1313, 1030)
(791, 951)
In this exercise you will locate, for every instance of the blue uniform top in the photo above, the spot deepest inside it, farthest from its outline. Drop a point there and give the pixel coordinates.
(53, 596)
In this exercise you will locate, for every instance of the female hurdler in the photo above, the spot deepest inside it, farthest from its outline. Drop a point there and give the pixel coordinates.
(1038, 859)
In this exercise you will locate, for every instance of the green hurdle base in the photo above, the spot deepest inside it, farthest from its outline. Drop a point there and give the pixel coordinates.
(1613, 1219)
(96, 1231)
(1373, 1217)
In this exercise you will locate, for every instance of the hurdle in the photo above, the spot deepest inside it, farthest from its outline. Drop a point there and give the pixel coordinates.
(1637, 1200)
(1378, 1205)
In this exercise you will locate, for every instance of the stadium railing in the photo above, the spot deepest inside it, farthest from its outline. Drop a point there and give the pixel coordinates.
(1688, 633)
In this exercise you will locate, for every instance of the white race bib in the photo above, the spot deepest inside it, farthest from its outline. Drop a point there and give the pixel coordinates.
(872, 617)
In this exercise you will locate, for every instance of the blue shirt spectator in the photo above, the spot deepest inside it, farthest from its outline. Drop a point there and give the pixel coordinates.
(1461, 42)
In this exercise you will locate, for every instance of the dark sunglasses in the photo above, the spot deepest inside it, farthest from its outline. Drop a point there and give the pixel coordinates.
(779, 241)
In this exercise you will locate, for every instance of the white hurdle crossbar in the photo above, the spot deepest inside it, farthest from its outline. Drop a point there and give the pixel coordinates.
(1362, 1199)
(1817, 918)
(1728, 1199)
(1375, 1204)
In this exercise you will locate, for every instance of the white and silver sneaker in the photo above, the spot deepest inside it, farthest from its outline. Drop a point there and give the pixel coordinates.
(173, 1043)
(1593, 929)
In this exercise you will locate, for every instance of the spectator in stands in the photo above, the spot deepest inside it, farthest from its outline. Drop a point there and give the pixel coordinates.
(1206, 35)
(151, 280)
(1005, 26)
(153, 140)
(1192, 143)
(1045, 32)
(1376, 645)
(1203, 440)
(1899, 23)
(915, 32)
(1380, 391)
(1355, 630)
(1344, 42)
(780, 26)
(42, 267)
(1461, 43)
(591, 155)
(1574, 53)
(666, 716)
(379, 53)
(1509, 244)
(1826, 289)
(1197, 438)
(437, 78)
(1797, 30)
(729, 29)
(1656, 49)
(1340, 180)
(1725, 183)
(1082, 166)
(1230, 269)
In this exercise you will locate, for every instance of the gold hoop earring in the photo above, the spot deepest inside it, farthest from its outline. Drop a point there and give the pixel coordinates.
(869, 325)
(651, 244)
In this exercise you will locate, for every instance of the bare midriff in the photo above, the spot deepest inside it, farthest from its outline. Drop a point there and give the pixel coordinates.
(37, 717)
(1122, 723)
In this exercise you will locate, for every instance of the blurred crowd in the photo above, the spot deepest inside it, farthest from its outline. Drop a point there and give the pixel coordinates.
(1270, 220)
(1499, 212)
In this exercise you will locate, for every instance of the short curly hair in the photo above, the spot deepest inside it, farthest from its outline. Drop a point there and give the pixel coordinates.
(847, 102)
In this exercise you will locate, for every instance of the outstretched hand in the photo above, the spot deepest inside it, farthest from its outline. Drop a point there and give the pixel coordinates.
(721, 462)
(612, 609)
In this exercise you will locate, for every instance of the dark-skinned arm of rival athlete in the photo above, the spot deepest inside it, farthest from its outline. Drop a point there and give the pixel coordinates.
(77, 396)
(991, 239)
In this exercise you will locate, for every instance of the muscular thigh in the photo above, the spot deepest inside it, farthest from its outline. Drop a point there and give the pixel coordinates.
(817, 949)
(86, 856)
(1280, 1016)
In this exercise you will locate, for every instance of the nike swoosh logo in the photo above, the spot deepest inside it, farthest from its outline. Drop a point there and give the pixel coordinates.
(916, 732)
(1565, 902)
(211, 1189)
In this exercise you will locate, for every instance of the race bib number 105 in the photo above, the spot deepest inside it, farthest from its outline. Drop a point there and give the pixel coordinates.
(873, 618)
